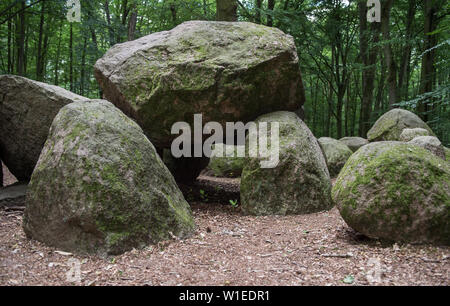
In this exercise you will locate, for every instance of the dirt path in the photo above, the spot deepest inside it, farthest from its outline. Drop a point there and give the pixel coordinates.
(231, 249)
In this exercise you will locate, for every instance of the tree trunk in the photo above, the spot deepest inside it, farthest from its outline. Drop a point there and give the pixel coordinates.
(10, 56)
(173, 12)
(39, 59)
(132, 22)
(258, 5)
(226, 10)
(71, 59)
(428, 69)
(83, 69)
(58, 54)
(388, 54)
(125, 13)
(108, 20)
(406, 58)
(270, 7)
(330, 111)
(380, 90)
(369, 58)
(25, 55)
(20, 36)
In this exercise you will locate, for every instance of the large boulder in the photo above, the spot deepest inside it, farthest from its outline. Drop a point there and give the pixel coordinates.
(100, 186)
(410, 134)
(299, 184)
(396, 191)
(226, 71)
(225, 161)
(27, 109)
(354, 143)
(430, 143)
(336, 154)
(390, 126)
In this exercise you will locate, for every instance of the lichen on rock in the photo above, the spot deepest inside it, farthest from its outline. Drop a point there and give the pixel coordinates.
(390, 126)
(27, 109)
(410, 134)
(227, 71)
(430, 143)
(396, 191)
(100, 187)
(354, 143)
(225, 162)
(299, 184)
(336, 154)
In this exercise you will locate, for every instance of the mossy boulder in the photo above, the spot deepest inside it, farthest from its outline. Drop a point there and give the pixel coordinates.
(354, 143)
(225, 162)
(299, 184)
(226, 71)
(395, 191)
(430, 143)
(27, 109)
(391, 125)
(410, 134)
(99, 186)
(447, 154)
(336, 154)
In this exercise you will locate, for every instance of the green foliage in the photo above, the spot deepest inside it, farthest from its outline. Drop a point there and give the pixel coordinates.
(234, 203)
(438, 100)
(203, 195)
(327, 33)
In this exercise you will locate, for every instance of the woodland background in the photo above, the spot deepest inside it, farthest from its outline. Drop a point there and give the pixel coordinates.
(353, 70)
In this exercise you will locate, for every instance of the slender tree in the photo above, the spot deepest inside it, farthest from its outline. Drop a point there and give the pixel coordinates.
(388, 52)
(226, 10)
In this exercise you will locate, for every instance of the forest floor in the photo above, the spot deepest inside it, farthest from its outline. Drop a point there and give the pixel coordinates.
(232, 249)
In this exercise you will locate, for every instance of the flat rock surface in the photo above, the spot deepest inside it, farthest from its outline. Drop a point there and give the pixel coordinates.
(8, 178)
(13, 195)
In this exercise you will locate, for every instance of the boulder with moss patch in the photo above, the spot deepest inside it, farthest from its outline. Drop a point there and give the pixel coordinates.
(27, 109)
(227, 71)
(354, 143)
(298, 184)
(410, 134)
(391, 125)
(430, 143)
(336, 154)
(395, 191)
(99, 186)
(225, 161)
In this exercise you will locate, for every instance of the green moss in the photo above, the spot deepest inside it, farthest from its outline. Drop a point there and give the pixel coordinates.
(390, 126)
(382, 193)
(108, 197)
(299, 184)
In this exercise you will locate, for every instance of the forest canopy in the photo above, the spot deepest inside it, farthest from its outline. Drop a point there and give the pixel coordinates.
(353, 70)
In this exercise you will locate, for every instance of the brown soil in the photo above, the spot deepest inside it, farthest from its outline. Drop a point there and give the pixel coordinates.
(232, 249)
